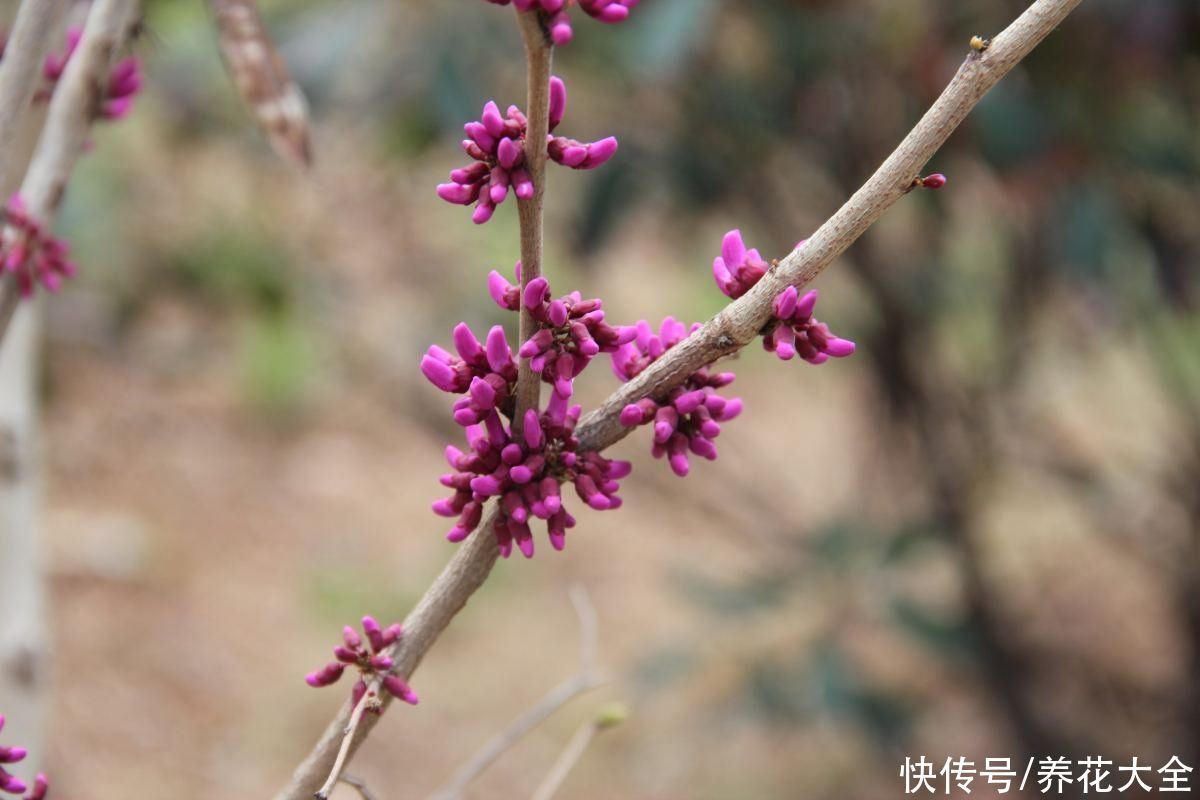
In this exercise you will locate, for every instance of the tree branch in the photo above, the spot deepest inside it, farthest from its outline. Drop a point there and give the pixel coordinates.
(730, 330)
(740, 322)
(539, 53)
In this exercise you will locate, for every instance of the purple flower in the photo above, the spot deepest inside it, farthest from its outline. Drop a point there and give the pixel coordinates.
(371, 662)
(525, 476)
(572, 332)
(484, 373)
(10, 783)
(124, 81)
(737, 269)
(30, 253)
(688, 419)
(497, 143)
(558, 21)
(796, 332)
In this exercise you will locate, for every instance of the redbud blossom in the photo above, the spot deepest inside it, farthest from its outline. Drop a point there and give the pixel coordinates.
(686, 420)
(737, 269)
(124, 80)
(485, 373)
(573, 330)
(370, 661)
(934, 181)
(33, 255)
(497, 143)
(794, 331)
(558, 22)
(797, 333)
(525, 477)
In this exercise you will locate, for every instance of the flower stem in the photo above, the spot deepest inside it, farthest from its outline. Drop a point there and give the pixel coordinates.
(539, 53)
(335, 774)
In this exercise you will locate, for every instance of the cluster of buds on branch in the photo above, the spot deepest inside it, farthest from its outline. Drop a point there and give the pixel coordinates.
(124, 79)
(497, 143)
(558, 18)
(373, 665)
(793, 331)
(572, 330)
(689, 417)
(33, 255)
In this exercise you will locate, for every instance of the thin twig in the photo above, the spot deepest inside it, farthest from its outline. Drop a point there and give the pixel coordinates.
(587, 678)
(73, 108)
(369, 697)
(730, 330)
(572, 754)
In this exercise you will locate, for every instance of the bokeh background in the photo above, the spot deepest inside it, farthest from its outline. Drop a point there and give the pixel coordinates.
(979, 537)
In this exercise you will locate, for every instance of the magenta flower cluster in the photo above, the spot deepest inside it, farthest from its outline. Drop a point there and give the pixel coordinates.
(558, 19)
(13, 785)
(793, 331)
(796, 332)
(373, 665)
(524, 468)
(124, 80)
(497, 143)
(737, 269)
(573, 330)
(484, 373)
(33, 255)
(525, 475)
(687, 420)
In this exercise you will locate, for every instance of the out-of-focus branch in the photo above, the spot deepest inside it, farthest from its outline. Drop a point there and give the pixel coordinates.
(24, 54)
(730, 330)
(261, 76)
(576, 747)
(587, 678)
(74, 107)
(23, 641)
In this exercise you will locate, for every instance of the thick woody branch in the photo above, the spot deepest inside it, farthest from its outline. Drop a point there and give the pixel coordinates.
(726, 333)
(75, 105)
(262, 77)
